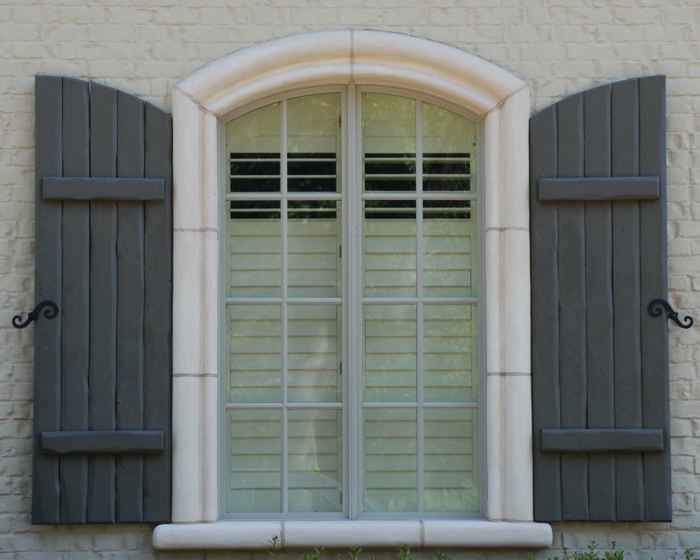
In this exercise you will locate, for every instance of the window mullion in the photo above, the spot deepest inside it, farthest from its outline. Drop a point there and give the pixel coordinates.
(284, 313)
(419, 306)
(354, 305)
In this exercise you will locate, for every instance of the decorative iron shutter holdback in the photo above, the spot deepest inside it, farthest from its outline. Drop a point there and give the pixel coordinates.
(50, 313)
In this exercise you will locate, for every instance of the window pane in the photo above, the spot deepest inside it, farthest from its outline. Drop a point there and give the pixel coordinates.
(314, 264)
(315, 460)
(253, 145)
(255, 347)
(389, 142)
(450, 353)
(390, 353)
(448, 145)
(390, 470)
(254, 473)
(389, 237)
(449, 248)
(314, 143)
(451, 460)
(255, 249)
(314, 343)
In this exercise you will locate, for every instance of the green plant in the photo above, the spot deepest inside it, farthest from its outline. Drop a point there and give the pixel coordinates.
(403, 553)
(440, 555)
(276, 547)
(613, 553)
(591, 553)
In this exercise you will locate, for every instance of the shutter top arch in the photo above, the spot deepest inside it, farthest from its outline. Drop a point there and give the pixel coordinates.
(102, 369)
(598, 257)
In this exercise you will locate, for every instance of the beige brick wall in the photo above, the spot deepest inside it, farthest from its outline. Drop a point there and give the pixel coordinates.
(146, 46)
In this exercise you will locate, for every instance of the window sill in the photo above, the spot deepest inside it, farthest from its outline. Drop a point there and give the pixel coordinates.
(429, 533)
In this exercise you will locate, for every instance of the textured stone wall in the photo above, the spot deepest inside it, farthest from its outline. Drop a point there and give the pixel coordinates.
(146, 46)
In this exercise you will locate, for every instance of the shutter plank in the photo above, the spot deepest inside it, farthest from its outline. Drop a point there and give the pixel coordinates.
(599, 311)
(545, 315)
(103, 302)
(75, 309)
(654, 342)
(572, 307)
(47, 334)
(158, 311)
(130, 295)
(626, 293)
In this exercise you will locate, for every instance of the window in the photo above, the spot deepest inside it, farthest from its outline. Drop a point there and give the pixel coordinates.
(351, 380)
(214, 95)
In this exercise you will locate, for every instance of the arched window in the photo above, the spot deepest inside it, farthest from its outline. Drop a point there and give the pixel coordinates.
(352, 375)
(263, 325)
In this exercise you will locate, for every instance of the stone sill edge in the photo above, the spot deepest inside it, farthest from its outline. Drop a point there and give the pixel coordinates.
(428, 533)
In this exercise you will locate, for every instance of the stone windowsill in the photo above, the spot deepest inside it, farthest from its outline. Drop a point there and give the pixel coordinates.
(429, 533)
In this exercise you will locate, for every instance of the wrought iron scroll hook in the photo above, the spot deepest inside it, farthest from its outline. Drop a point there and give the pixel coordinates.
(50, 313)
(658, 306)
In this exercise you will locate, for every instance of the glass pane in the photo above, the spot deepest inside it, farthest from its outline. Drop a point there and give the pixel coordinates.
(450, 353)
(390, 470)
(449, 248)
(314, 143)
(255, 248)
(389, 242)
(255, 350)
(253, 146)
(314, 342)
(448, 150)
(254, 461)
(315, 460)
(390, 353)
(389, 142)
(451, 460)
(313, 261)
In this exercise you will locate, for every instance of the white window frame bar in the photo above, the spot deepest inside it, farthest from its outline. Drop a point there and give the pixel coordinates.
(420, 416)
(355, 334)
(284, 479)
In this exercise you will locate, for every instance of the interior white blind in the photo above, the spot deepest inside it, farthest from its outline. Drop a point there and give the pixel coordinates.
(290, 316)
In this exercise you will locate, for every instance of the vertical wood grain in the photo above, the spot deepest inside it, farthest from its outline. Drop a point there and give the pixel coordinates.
(654, 284)
(47, 334)
(599, 303)
(572, 307)
(103, 302)
(158, 314)
(130, 307)
(75, 346)
(544, 221)
(627, 299)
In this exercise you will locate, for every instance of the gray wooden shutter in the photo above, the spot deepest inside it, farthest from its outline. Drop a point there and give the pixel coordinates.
(102, 369)
(599, 360)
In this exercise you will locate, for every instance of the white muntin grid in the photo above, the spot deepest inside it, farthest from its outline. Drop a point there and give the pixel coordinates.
(352, 200)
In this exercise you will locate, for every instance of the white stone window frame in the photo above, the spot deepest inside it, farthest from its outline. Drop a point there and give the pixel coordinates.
(202, 102)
